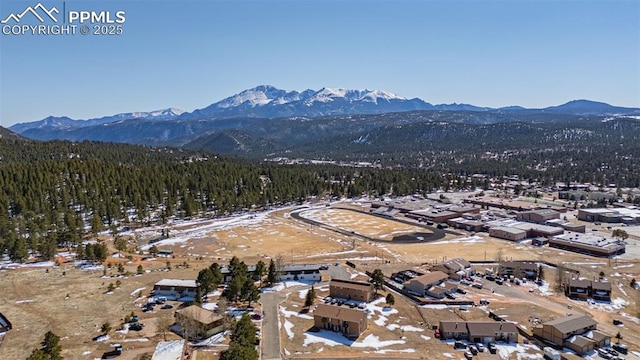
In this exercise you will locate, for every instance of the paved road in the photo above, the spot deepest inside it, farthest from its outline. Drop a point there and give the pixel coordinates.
(270, 331)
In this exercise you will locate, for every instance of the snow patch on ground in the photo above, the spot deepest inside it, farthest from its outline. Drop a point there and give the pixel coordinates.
(425, 337)
(288, 326)
(287, 284)
(465, 240)
(288, 313)
(330, 338)
(505, 351)
(134, 292)
(404, 327)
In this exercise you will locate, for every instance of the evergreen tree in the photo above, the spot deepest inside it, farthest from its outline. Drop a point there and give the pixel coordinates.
(243, 340)
(261, 271)
(390, 299)
(51, 346)
(272, 275)
(310, 297)
(206, 280)
(37, 354)
(217, 274)
(540, 273)
(377, 277)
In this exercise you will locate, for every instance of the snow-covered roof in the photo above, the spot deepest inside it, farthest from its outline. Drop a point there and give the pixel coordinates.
(188, 283)
(169, 350)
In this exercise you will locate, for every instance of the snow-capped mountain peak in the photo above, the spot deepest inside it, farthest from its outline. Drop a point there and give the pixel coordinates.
(257, 96)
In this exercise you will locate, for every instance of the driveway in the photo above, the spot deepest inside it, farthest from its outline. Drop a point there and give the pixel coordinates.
(270, 331)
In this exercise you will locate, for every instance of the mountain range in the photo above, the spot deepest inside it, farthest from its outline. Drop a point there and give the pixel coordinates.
(266, 101)
(266, 121)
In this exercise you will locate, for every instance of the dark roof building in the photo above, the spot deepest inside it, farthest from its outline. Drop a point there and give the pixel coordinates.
(350, 322)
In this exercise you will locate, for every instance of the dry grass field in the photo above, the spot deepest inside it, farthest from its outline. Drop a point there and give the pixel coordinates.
(36, 301)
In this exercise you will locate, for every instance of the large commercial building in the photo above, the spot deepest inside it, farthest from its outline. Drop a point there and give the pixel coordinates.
(628, 215)
(517, 230)
(589, 244)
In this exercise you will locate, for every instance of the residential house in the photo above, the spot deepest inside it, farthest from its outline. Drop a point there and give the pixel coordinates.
(580, 344)
(570, 331)
(428, 284)
(479, 331)
(583, 289)
(197, 322)
(351, 290)
(578, 288)
(599, 338)
(175, 288)
(519, 269)
(302, 272)
(351, 322)
(601, 291)
(453, 330)
(457, 268)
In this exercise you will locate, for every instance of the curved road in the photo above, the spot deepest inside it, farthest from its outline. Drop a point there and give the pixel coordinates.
(436, 234)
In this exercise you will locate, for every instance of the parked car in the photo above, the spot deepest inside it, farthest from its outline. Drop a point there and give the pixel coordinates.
(468, 355)
(473, 349)
(604, 354)
(166, 306)
(480, 347)
(450, 296)
(617, 322)
(484, 302)
(492, 348)
(461, 291)
(499, 281)
(436, 333)
(113, 353)
(459, 345)
(621, 348)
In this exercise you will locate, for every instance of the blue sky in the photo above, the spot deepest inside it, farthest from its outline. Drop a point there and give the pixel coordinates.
(189, 54)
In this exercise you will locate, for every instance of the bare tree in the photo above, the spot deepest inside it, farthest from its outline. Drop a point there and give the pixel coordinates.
(279, 261)
(223, 305)
(165, 320)
(561, 278)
